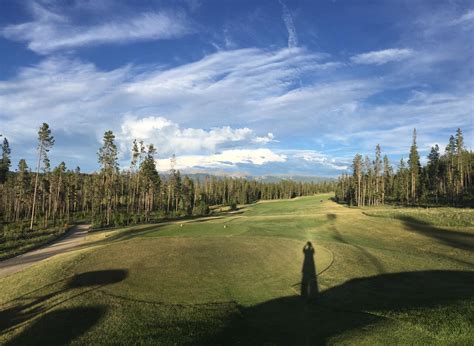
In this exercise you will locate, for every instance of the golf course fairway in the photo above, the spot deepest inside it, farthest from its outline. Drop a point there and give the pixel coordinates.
(383, 274)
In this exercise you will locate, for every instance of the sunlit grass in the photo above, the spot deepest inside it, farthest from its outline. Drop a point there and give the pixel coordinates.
(395, 277)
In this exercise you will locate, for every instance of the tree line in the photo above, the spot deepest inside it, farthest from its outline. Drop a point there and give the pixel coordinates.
(446, 179)
(112, 196)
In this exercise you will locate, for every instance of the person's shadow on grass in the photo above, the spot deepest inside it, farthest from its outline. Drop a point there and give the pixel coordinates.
(309, 283)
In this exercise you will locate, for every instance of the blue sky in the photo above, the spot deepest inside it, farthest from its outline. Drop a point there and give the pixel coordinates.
(240, 87)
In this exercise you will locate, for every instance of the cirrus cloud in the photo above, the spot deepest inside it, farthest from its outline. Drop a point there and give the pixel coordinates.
(383, 56)
(50, 31)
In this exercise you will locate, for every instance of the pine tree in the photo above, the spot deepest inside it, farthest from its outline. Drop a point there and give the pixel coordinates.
(5, 161)
(377, 173)
(414, 167)
(45, 143)
(450, 158)
(387, 180)
(108, 158)
(357, 168)
(459, 156)
(151, 180)
(434, 170)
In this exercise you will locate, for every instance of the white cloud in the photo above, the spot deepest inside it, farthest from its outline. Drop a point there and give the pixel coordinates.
(230, 88)
(49, 31)
(320, 158)
(466, 18)
(226, 100)
(290, 26)
(382, 56)
(169, 138)
(265, 139)
(225, 159)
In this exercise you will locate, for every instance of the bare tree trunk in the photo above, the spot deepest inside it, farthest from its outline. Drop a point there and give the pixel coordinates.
(36, 189)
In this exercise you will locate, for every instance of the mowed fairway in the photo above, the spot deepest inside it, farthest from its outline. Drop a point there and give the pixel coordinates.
(385, 275)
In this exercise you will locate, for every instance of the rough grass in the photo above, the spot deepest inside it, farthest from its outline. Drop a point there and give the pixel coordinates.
(430, 216)
(17, 241)
(234, 280)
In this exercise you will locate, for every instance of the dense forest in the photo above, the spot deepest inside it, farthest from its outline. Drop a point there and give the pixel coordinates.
(446, 179)
(47, 197)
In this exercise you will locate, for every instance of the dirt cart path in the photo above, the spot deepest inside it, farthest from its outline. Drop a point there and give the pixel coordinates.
(71, 240)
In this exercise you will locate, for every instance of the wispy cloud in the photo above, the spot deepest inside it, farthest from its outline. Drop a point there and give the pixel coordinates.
(50, 31)
(466, 18)
(320, 158)
(216, 111)
(290, 26)
(383, 56)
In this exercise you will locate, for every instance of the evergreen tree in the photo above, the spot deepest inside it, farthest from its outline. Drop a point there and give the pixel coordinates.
(434, 170)
(459, 159)
(357, 173)
(446, 178)
(387, 181)
(414, 167)
(151, 181)
(45, 143)
(108, 158)
(5, 161)
(377, 174)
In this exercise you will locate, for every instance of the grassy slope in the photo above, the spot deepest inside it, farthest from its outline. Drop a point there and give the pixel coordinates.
(391, 278)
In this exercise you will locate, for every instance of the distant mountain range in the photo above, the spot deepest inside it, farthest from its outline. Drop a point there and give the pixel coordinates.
(299, 178)
(261, 178)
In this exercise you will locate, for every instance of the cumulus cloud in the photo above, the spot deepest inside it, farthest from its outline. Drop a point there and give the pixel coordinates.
(382, 56)
(225, 159)
(49, 31)
(169, 138)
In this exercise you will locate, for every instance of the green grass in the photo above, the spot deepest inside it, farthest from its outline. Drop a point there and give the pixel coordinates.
(398, 276)
(430, 216)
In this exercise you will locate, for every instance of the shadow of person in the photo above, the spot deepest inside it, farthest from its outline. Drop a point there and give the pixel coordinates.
(309, 284)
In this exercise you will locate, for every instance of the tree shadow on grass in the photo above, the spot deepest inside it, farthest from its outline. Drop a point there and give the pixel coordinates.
(29, 306)
(457, 239)
(59, 327)
(355, 304)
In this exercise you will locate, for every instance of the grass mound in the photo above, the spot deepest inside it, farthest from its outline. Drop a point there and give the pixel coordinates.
(187, 270)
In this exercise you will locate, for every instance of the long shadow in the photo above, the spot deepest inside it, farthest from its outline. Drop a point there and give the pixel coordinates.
(309, 283)
(355, 304)
(457, 239)
(30, 306)
(59, 327)
(337, 236)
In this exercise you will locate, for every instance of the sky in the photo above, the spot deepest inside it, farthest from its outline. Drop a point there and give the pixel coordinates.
(236, 87)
